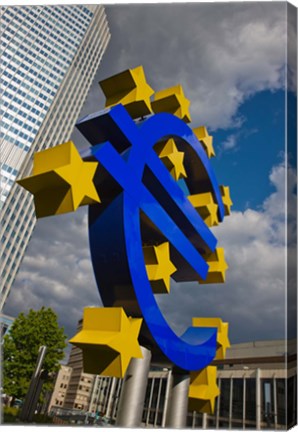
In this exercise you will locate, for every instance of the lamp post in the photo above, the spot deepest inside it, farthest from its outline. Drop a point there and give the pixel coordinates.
(38, 376)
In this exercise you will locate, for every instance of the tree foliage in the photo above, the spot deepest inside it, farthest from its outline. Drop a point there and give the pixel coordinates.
(21, 345)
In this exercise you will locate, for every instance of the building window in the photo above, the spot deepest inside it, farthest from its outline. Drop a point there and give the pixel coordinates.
(281, 396)
(250, 399)
(237, 402)
(225, 398)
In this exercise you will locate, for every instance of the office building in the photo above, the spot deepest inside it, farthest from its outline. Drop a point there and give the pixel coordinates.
(79, 385)
(61, 386)
(257, 381)
(50, 55)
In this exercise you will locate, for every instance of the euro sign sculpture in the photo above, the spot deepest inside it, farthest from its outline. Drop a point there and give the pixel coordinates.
(153, 198)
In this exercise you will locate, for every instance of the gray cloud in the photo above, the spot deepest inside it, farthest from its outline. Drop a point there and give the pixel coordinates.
(57, 270)
(220, 53)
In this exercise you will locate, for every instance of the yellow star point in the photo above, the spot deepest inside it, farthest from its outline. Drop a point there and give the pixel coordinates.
(203, 390)
(131, 89)
(217, 267)
(205, 139)
(172, 158)
(159, 267)
(206, 207)
(172, 100)
(108, 339)
(226, 199)
(222, 334)
(61, 181)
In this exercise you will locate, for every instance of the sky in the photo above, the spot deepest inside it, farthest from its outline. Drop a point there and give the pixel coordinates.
(230, 60)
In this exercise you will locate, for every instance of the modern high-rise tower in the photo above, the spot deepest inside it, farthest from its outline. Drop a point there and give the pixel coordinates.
(49, 58)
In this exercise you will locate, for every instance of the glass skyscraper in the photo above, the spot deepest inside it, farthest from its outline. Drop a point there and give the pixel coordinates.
(49, 57)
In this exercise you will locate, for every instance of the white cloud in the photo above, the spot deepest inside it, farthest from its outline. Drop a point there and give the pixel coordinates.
(220, 53)
(229, 143)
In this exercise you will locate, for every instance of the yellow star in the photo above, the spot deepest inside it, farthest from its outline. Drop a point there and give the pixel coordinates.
(206, 207)
(222, 333)
(159, 267)
(172, 158)
(129, 88)
(172, 100)
(108, 339)
(226, 198)
(206, 140)
(217, 267)
(203, 390)
(61, 181)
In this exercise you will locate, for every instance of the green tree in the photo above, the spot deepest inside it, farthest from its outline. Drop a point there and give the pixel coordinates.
(20, 350)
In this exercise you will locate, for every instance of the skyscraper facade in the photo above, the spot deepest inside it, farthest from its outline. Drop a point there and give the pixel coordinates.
(49, 58)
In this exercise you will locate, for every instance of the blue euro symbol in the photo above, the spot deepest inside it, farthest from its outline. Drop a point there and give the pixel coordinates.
(141, 202)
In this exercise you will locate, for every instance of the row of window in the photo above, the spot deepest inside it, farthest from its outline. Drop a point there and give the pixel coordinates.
(23, 114)
(23, 84)
(32, 50)
(17, 143)
(6, 180)
(30, 88)
(31, 58)
(80, 13)
(68, 21)
(19, 111)
(19, 92)
(9, 169)
(73, 37)
(42, 70)
(32, 17)
(12, 235)
(38, 75)
(31, 14)
(46, 29)
(4, 192)
(22, 123)
(33, 47)
(14, 53)
(18, 133)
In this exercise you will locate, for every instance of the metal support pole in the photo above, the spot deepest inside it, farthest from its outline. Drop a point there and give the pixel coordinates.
(258, 399)
(275, 402)
(231, 403)
(204, 421)
(115, 406)
(93, 393)
(167, 395)
(178, 403)
(149, 402)
(133, 392)
(157, 403)
(32, 396)
(218, 405)
(111, 398)
(244, 402)
(194, 418)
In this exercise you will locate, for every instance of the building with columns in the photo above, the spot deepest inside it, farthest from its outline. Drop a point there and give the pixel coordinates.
(257, 381)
